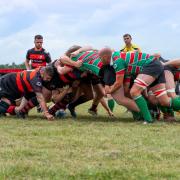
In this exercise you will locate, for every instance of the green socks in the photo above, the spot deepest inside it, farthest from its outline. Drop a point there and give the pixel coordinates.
(111, 104)
(142, 104)
(175, 103)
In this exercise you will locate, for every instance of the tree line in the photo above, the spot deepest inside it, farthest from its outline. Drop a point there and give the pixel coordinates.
(13, 66)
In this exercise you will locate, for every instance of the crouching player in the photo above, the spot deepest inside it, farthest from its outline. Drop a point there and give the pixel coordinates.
(24, 84)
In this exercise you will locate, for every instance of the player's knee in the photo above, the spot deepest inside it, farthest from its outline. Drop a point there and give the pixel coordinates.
(152, 100)
(134, 92)
(164, 102)
(100, 94)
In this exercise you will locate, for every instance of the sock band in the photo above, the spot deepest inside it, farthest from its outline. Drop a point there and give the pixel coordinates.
(140, 83)
(160, 92)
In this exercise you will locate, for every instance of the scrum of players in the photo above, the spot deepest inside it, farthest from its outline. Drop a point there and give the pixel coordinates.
(143, 83)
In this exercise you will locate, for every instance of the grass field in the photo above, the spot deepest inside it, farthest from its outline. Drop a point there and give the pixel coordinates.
(88, 148)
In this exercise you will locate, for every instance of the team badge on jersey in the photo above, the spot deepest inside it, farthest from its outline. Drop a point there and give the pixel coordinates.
(39, 84)
(115, 66)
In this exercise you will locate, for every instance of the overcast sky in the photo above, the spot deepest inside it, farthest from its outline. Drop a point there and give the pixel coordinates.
(154, 25)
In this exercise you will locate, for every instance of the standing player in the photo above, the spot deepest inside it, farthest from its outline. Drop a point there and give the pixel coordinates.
(128, 47)
(128, 44)
(38, 56)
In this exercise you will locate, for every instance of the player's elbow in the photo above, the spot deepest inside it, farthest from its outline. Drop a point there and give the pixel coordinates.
(117, 84)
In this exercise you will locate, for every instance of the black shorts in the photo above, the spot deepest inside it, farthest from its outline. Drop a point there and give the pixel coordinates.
(171, 69)
(168, 67)
(86, 79)
(156, 70)
(8, 96)
(91, 79)
(108, 75)
(8, 92)
(95, 80)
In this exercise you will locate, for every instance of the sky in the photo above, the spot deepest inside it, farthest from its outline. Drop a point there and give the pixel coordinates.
(154, 25)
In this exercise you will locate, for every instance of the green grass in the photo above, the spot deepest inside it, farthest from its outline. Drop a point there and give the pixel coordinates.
(88, 148)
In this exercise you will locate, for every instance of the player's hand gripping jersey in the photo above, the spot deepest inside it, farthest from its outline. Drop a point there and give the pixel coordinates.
(91, 61)
(93, 64)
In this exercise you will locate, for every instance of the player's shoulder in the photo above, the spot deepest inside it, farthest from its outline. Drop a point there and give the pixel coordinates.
(115, 53)
(30, 50)
(123, 48)
(45, 51)
(135, 46)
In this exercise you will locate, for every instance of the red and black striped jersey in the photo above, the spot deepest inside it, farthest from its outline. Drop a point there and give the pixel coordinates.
(38, 58)
(29, 81)
(21, 83)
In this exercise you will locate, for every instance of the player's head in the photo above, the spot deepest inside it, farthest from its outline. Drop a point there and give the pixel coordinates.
(127, 39)
(72, 49)
(38, 41)
(105, 55)
(47, 73)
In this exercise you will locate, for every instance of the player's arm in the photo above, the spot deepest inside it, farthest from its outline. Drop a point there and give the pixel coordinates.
(22, 104)
(82, 49)
(175, 62)
(119, 67)
(59, 95)
(62, 69)
(43, 105)
(28, 67)
(27, 60)
(118, 83)
(67, 61)
(48, 58)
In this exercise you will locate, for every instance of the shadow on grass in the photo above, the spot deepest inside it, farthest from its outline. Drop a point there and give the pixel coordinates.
(83, 118)
(80, 118)
(31, 117)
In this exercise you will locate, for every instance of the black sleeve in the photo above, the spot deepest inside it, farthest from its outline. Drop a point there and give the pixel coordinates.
(36, 84)
(27, 54)
(48, 57)
(108, 75)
